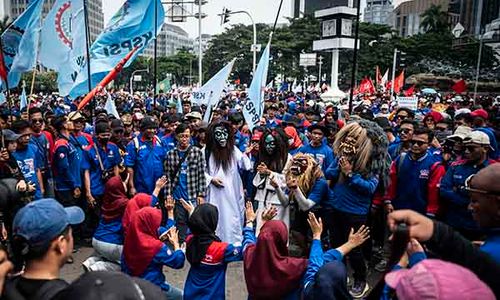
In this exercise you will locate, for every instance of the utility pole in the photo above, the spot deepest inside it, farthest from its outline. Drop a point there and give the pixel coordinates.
(200, 50)
(320, 63)
(394, 60)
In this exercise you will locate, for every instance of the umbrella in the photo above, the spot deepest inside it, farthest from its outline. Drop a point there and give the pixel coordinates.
(429, 91)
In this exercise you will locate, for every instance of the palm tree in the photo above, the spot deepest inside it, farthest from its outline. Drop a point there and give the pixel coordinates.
(434, 19)
(5, 23)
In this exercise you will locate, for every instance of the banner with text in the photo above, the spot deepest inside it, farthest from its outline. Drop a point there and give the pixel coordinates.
(408, 102)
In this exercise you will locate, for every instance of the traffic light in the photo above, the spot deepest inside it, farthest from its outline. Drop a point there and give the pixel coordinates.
(402, 59)
(225, 16)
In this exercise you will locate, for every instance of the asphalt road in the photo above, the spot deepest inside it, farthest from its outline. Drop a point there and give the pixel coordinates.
(235, 282)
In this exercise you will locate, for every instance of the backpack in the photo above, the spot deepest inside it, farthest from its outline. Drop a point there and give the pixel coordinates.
(48, 290)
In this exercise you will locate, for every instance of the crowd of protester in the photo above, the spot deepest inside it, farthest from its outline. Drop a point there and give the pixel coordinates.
(308, 187)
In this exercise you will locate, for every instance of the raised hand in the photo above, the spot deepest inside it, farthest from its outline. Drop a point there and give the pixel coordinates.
(249, 212)
(316, 226)
(359, 237)
(269, 213)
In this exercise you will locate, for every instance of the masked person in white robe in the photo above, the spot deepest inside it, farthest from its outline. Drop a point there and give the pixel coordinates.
(225, 188)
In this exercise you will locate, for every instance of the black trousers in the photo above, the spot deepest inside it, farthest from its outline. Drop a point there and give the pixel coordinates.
(341, 224)
(181, 217)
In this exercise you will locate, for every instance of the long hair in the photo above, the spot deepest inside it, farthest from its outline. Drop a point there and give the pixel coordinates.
(222, 156)
(370, 141)
(307, 179)
(276, 161)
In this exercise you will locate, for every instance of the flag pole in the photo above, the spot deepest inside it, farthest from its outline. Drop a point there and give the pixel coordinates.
(155, 64)
(355, 56)
(87, 46)
(33, 81)
(277, 16)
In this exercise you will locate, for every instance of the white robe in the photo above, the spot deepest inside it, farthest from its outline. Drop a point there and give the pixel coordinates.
(229, 199)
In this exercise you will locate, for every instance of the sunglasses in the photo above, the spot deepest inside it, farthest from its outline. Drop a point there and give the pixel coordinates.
(441, 128)
(405, 130)
(467, 187)
(471, 148)
(36, 121)
(401, 117)
(418, 143)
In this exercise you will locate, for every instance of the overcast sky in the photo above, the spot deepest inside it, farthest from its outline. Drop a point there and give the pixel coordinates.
(262, 11)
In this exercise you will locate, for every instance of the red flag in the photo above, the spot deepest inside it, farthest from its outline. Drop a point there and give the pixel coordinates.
(410, 91)
(378, 76)
(366, 86)
(110, 77)
(237, 81)
(3, 69)
(459, 86)
(399, 82)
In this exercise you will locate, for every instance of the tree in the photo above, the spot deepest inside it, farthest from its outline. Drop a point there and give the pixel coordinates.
(434, 19)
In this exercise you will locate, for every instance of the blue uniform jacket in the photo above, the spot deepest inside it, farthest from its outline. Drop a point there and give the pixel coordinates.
(353, 196)
(456, 199)
(208, 279)
(66, 165)
(110, 231)
(147, 162)
(492, 244)
(110, 158)
(322, 154)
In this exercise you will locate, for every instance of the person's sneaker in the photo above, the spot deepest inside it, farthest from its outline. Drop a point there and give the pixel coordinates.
(381, 266)
(359, 289)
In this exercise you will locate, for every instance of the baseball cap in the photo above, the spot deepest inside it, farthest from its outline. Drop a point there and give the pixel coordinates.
(109, 285)
(75, 115)
(384, 106)
(117, 125)
(10, 135)
(481, 113)
(477, 137)
(318, 126)
(40, 221)
(102, 128)
(437, 279)
(461, 132)
(194, 115)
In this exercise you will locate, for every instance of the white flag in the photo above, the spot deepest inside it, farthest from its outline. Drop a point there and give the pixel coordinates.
(211, 91)
(384, 80)
(110, 107)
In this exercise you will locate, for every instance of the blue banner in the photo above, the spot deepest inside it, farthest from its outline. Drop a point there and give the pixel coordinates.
(253, 109)
(20, 43)
(132, 26)
(63, 31)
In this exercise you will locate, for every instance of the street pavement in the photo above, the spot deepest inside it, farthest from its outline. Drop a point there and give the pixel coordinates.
(235, 281)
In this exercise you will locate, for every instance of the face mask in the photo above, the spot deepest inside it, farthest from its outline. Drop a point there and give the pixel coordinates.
(270, 144)
(104, 140)
(221, 136)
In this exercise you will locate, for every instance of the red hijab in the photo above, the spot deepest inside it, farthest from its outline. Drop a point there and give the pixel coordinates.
(115, 199)
(142, 242)
(137, 202)
(269, 272)
(293, 134)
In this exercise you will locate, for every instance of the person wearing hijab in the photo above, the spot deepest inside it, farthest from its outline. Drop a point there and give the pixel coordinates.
(294, 141)
(144, 252)
(207, 255)
(270, 273)
(141, 200)
(108, 237)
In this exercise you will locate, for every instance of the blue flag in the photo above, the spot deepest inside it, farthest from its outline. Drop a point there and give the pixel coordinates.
(20, 43)
(253, 109)
(132, 26)
(58, 40)
(24, 100)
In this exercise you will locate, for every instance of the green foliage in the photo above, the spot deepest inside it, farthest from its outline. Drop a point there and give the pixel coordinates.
(435, 20)
(45, 82)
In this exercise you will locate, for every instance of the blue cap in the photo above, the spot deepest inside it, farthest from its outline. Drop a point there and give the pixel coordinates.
(42, 220)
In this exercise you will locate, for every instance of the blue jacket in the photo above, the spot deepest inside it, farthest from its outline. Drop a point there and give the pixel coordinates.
(110, 231)
(457, 200)
(317, 259)
(29, 162)
(322, 154)
(353, 196)
(66, 165)
(208, 279)
(110, 158)
(492, 244)
(147, 161)
(415, 184)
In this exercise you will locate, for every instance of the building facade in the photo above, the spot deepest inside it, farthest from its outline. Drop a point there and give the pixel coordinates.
(171, 38)
(13, 8)
(308, 7)
(408, 15)
(379, 12)
(474, 15)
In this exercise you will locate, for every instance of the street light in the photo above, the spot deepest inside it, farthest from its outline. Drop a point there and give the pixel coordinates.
(255, 48)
